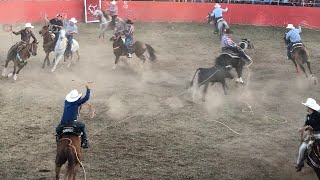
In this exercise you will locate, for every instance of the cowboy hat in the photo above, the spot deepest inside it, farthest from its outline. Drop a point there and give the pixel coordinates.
(290, 26)
(73, 96)
(28, 25)
(113, 2)
(311, 103)
(217, 5)
(129, 22)
(228, 31)
(73, 20)
(59, 15)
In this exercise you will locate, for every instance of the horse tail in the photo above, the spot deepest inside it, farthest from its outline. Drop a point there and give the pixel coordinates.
(72, 160)
(191, 83)
(151, 52)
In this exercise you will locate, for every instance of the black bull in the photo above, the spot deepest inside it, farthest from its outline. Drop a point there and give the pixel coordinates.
(212, 75)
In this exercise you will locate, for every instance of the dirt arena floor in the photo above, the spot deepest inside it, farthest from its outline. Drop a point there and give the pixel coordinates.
(146, 125)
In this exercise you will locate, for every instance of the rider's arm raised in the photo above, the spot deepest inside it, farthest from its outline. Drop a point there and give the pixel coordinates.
(16, 33)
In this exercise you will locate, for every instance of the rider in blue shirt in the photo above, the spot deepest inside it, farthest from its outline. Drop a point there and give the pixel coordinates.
(293, 36)
(70, 113)
(217, 14)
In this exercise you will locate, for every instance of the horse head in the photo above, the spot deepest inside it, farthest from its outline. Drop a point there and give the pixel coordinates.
(43, 32)
(62, 34)
(116, 36)
(97, 13)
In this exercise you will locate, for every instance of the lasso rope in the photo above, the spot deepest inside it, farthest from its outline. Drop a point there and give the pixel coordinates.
(249, 109)
(118, 122)
(75, 150)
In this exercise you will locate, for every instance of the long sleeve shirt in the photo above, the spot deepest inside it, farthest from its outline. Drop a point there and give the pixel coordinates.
(70, 112)
(70, 29)
(129, 30)
(294, 35)
(226, 41)
(25, 35)
(217, 12)
(313, 120)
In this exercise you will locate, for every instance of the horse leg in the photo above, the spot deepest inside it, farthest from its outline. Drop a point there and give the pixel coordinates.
(224, 86)
(45, 59)
(70, 60)
(115, 62)
(56, 63)
(4, 72)
(14, 69)
(205, 91)
(58, 168)
(303, 69)
(48, 60)
(308, 64)
(295, 63)
(78, 55)
(16, 75)
(239, 72)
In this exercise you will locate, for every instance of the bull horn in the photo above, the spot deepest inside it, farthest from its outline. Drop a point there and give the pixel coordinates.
(229, 66)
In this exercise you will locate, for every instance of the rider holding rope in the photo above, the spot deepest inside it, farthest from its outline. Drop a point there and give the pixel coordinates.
(228, 44)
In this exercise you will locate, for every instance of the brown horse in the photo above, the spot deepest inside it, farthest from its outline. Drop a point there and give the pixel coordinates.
(300, 56)
(48, 43)
(19, 57)
(68, 149)
(139, 48)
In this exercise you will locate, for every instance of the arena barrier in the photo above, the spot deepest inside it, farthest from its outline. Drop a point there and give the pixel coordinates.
(262, 15)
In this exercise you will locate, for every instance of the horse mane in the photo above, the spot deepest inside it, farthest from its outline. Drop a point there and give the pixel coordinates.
(105, 15)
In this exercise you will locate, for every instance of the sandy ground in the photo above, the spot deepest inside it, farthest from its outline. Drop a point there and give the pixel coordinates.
(146, 125)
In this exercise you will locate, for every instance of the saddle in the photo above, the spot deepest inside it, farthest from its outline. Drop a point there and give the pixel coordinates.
(220, 20)
(69, 128)
(296, 45)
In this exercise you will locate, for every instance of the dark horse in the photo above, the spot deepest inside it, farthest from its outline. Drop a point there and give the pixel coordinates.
(139, 48)
(48, 43)
(20, 58)
(299, 56)
(68, 149)
(226, 60)
(313, 157)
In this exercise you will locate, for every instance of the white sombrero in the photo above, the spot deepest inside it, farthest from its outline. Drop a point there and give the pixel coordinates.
(311, 103)
(73, 96)
(28, 25)
(73, 20)
(217, 5)
(113, 2)
(290, 26)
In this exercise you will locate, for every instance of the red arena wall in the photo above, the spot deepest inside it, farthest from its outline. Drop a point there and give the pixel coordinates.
(33, 11)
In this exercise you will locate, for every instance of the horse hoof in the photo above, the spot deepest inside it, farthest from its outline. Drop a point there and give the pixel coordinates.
(114, 67)
(52, 70)
(9, 75)
(15, 77)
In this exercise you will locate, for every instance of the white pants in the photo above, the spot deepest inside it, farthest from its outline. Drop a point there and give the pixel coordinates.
(302, 150)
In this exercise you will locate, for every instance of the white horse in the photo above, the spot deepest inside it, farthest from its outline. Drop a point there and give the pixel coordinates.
(61, 47)
(105, 22)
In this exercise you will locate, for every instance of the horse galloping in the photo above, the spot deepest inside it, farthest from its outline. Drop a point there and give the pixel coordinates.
(300, 55)
(48, 43)
(105, 22)
(61, 47)
(139, 48)
(20, 58)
